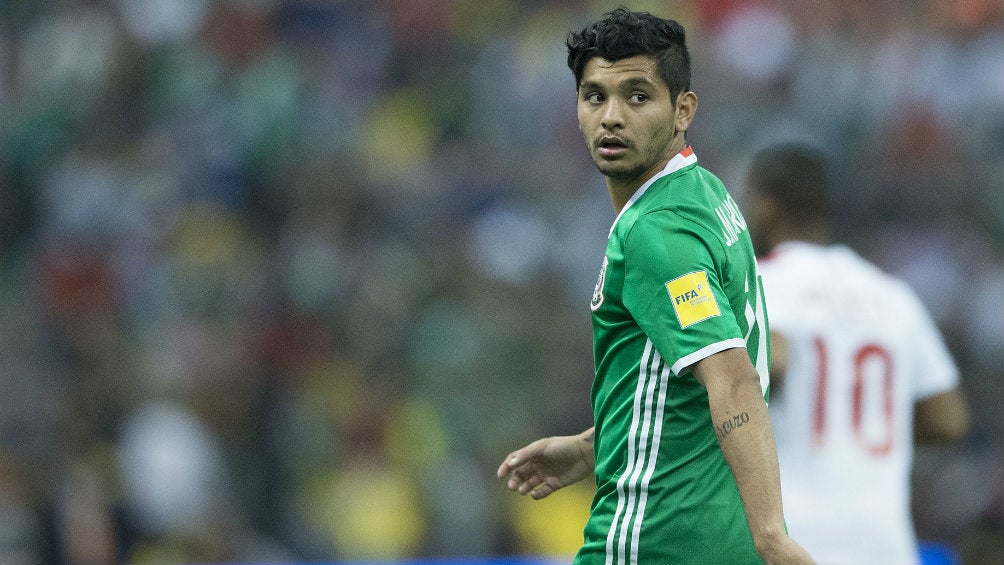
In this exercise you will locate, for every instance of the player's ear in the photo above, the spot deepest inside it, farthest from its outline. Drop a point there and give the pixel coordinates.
(686, 107)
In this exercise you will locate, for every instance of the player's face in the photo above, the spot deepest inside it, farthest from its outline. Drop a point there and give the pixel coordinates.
(630, 124)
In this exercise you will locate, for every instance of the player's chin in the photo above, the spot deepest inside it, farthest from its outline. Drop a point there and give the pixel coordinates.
(617, 169)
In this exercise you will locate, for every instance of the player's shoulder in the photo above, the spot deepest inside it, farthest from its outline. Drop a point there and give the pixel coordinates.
(690, 194)
(872, 273)
(688, 203)
(838, 265)
(815, 258)
(806, 264)
(796, 257)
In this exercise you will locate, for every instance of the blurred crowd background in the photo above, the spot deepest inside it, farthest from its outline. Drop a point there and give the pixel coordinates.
(285, 280)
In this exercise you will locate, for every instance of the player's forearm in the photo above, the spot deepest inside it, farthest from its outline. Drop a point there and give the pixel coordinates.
(742, 425)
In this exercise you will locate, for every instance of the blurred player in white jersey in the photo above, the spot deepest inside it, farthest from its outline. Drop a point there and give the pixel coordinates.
(859, 371)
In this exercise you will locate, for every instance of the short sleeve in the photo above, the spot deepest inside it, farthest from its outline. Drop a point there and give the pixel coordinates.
(935, 370)
(674, 291)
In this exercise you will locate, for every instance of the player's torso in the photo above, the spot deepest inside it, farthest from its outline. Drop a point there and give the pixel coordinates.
(653, 427)
(630, 367)
(850, 390)
(843, 416)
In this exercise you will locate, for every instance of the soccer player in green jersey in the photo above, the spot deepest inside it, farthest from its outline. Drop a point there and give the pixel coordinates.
(682, 449)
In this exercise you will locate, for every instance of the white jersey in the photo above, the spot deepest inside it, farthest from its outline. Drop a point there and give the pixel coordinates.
(862, 351)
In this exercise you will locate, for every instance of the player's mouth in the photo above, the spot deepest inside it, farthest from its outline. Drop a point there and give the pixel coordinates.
(610, 147)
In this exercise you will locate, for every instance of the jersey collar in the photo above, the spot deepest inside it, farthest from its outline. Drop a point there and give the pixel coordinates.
(680, 160)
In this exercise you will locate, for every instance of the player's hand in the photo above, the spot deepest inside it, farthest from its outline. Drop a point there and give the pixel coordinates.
(548, 464)
(784, 551)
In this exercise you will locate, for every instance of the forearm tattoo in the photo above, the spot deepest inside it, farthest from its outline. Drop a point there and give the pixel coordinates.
(731, 425)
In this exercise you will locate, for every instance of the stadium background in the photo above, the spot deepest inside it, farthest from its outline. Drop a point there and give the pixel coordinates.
(283, 281)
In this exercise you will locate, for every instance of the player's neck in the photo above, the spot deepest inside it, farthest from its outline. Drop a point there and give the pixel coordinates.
(815, 234)
(818, 234)
(621, 190)
(620, 193)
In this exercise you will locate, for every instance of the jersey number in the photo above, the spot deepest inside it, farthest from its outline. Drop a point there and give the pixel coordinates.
(870, 361)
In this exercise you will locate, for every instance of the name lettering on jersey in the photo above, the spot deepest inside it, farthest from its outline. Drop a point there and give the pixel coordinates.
(731, 219)
(597, 300)
(693, 299)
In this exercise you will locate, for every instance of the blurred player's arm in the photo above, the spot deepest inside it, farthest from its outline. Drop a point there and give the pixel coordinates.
(739, 416)
(942, 418)
(549, 464)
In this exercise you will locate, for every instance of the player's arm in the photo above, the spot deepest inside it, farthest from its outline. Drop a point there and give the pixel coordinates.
(739, 416)
(549, 464)
(942, 418)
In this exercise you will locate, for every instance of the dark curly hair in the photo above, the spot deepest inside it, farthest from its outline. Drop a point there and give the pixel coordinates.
(621, 33)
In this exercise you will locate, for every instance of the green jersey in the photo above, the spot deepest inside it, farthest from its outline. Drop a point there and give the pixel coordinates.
(679, 283)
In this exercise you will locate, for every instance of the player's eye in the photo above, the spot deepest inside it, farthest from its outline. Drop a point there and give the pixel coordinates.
(594, 98)
(638, 97)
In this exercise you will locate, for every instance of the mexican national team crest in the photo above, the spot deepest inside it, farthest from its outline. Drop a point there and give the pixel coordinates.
(693, 299)
(597, 300)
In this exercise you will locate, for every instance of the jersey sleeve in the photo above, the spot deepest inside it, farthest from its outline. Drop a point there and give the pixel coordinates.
(674, 291)
(935, 371)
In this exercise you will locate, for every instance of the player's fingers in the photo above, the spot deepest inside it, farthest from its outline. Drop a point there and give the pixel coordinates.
(505, 466)
(542, 491)
(530, 483)
(515, 475)
(512, 461)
